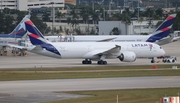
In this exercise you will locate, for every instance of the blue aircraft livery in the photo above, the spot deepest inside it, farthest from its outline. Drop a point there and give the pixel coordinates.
(37, 38)
(163, 30)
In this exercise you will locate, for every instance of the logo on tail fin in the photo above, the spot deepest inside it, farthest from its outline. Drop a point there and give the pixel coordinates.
(163, 30)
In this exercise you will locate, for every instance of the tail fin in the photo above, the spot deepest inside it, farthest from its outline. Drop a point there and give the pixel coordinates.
(20, 29)
(163, 30)
(37, 38)
(34, 34)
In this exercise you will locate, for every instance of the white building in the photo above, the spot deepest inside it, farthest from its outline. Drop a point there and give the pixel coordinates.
(24, 5)
(105, 27)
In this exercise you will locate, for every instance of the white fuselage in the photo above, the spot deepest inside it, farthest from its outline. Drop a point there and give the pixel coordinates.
(94, 38)
(87, 50)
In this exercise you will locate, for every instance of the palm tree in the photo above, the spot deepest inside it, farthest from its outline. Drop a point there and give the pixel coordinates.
(126, 19)
(116, 17)
(59, 15)
(95, 17)
(74, 19)
(85, 15)
(69, 23)
(176, 25)
(46, 17)
(149, 12)
(158, 13)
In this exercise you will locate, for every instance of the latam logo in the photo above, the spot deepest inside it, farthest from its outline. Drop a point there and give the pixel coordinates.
(139, 45)
(143, 45)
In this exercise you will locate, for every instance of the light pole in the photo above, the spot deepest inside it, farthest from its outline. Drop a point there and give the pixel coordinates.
(138, 10)
(103, 14)
(53, 13)
(1, 5)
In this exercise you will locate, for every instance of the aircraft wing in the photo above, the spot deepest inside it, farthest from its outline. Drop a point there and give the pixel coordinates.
(106, 40)
(115, 49)
(16, 46)
(101, 52)
(25, 48)
(165, 41)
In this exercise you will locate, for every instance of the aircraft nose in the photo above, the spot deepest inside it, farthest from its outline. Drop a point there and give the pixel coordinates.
(163, 52)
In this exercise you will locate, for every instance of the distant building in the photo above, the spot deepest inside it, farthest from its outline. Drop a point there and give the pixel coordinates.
(105, 27)
(24, 5)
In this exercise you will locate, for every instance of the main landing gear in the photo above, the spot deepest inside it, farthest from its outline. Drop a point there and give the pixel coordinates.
(86, 61)
(152, 60)
(100, 62)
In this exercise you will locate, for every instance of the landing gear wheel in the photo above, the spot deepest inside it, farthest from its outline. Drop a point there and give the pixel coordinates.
(152, 61)
(86, 61)
(164, 61)
(101, 62)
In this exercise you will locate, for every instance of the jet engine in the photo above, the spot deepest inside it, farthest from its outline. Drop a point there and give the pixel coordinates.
(127, 56)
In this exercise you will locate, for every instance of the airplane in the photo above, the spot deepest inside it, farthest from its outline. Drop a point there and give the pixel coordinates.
(160, 36)
(12, 38)
(96, 51)
(18, 32)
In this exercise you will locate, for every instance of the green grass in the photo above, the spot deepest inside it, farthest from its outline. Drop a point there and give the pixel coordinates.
(87, 72)
(124, 96)
(95, 68)
(103, 96)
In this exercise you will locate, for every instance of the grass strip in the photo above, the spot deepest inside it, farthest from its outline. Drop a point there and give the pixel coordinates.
(98, 67)
(39, 75)
(124, 96)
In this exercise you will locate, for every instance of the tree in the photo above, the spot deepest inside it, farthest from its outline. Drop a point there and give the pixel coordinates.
(149, 13)
(116, 17)
(126, 19)
(9, 24)
(176, 24)
(159, 13)
(59, 15)
(95, 17)
(115, 31)
(85, 15)
(39, 23)
(46, 17)
(74, 19)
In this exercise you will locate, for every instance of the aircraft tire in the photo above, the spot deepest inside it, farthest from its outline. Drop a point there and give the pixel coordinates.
(101, 62)
(86, 62)
(152, 61)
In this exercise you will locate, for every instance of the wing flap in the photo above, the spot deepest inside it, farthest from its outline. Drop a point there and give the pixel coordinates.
(101, 52)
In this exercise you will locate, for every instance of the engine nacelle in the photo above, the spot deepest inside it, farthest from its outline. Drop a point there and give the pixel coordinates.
(127, 56)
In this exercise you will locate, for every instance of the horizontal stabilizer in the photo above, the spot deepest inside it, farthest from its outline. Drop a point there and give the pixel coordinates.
(106, 40)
